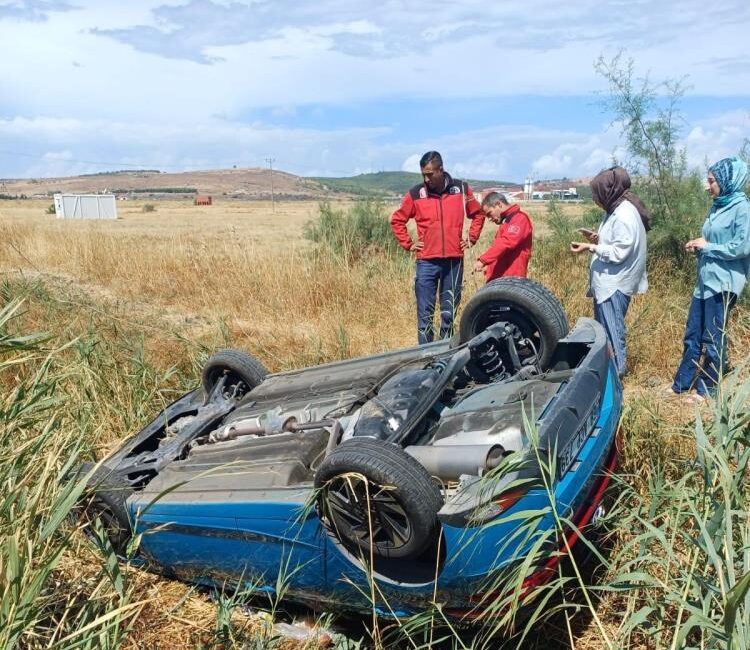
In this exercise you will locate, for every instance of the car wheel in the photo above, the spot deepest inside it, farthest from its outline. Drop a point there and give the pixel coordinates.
(535, 313)
(108, 495)
(243, 372)
(374, 497)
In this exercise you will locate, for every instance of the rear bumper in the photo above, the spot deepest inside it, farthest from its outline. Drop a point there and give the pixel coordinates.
(581, 520)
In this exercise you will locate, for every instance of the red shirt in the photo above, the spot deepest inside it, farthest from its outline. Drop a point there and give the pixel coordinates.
(439, 219)
(511, 250)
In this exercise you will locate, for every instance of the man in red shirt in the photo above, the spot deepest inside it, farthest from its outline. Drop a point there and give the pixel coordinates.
(439, 207)
(511, 250)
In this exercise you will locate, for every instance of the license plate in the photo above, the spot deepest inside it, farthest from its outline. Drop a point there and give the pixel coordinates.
(566, 457)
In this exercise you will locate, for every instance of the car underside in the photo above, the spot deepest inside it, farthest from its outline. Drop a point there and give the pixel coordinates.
(390, 458)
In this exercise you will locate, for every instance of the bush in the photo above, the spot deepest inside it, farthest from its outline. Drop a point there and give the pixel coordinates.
(362, 230)
(50, 209)
(149, 207)
(649, 115)
(689, 206)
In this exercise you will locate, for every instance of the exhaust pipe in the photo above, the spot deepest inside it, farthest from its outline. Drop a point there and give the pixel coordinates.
(451, 461)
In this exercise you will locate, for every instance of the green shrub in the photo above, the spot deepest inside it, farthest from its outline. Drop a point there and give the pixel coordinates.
(149, 207)
(650, 120)
(50, 209)
(689, 206)
(362, 230)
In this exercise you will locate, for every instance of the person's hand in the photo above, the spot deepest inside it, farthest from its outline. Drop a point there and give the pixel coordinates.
(580, 247)
(695, 245)
(590, 235)
(417, 246)
(465, 243)
(478, 267)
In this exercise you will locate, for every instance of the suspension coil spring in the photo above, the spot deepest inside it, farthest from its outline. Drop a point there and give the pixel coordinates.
(489, 360)
(440, 365)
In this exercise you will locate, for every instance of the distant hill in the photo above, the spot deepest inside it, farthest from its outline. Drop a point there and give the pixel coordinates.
(386, 183)
(248, 184)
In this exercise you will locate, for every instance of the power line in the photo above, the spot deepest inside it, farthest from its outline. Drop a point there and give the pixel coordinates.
(270, 162)
(125, 164)
(207, 166)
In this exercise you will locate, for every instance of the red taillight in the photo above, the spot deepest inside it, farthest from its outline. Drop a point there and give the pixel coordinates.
(493, 509)
(509, 499)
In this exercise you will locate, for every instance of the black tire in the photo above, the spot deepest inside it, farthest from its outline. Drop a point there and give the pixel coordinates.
(243, 372)
(107, 496)
(528, 305)
(401, 520)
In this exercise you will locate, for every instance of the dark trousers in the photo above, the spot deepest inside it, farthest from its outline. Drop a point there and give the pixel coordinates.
(611, 314)
(705, 333)
(437, 275)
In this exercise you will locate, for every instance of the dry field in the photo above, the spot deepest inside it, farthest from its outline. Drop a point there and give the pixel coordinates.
(185, 280)
(238, 273)
(236, 262)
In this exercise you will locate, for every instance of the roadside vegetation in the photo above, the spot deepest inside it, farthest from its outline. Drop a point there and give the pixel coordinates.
(101, 327)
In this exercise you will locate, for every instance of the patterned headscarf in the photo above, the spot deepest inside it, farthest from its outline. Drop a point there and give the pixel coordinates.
(611, 187)
(731, 175)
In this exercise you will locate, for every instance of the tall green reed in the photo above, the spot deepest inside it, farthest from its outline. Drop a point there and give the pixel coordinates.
(38, 607)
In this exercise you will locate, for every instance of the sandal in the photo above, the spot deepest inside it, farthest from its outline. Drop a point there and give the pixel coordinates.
(667, 390)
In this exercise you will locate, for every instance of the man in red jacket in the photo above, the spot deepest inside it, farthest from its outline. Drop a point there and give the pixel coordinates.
(439, 207)
(511, 250)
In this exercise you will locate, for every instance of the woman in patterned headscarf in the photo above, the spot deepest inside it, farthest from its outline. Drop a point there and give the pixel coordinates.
(723, 253)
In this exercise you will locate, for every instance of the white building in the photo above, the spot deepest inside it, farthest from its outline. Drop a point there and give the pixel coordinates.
(85, 206)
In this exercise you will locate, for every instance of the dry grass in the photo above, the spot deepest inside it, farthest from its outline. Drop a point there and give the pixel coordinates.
(236, 272)
(191, 278)
(235, 262)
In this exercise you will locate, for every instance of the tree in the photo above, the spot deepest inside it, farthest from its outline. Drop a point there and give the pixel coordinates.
(651, 123)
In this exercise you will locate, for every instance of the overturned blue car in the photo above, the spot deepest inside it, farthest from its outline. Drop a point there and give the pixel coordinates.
(410, 468)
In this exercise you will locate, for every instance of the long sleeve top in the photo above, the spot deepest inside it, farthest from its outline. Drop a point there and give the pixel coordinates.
(618, 262)
(439, 219)
(511, 249)
(724, 262)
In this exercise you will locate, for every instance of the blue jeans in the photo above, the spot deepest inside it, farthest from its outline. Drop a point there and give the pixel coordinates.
(705, 333)
(611, 314)
(437, 275)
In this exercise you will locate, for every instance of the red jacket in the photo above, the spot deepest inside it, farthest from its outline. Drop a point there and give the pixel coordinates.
(439, 219)
(511, 250)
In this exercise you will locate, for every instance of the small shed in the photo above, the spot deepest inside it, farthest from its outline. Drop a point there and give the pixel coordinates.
(203, 199)
(85, 206)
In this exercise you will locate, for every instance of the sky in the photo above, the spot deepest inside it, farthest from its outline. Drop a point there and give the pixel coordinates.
(340, 87)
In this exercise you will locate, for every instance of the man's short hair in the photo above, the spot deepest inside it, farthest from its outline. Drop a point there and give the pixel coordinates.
(430, 156)
(493, 199)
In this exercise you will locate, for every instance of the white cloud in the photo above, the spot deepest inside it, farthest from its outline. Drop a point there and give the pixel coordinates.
(584, 156)
(717, 137)
(169, 83)
(708, 140)
(411, 163)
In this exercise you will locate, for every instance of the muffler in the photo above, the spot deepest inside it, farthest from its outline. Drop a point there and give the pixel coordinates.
(451, 461)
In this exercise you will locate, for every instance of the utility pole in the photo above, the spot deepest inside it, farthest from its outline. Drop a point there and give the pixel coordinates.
(270, 162)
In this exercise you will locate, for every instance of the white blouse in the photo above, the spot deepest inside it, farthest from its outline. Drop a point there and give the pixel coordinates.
(618, 262)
